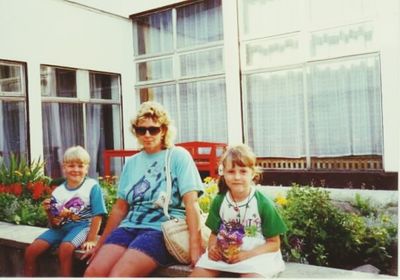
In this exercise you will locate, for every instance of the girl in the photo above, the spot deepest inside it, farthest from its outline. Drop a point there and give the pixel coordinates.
(244, 223)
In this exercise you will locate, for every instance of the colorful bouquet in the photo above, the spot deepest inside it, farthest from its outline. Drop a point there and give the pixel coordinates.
(230, 239)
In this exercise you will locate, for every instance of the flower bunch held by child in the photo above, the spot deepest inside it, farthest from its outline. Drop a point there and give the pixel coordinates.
(230, 239)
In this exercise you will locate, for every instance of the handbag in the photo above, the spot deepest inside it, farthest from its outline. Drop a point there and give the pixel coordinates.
(175, 231)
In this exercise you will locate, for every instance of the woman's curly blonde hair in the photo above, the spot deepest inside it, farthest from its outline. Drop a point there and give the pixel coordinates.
(156, 112)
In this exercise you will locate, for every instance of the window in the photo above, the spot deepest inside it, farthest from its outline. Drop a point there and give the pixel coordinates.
(79, 107)
(312, 85)
(13, 128)
(179, 63)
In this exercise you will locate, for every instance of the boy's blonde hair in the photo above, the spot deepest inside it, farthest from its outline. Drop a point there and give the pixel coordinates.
(156, 112)
(76, 154)
(240, 155)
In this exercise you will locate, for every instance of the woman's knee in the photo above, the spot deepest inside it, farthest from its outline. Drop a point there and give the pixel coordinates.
(92, 271)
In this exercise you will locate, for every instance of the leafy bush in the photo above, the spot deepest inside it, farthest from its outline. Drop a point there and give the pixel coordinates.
(21, 211)
(321, 234)
(108, 185)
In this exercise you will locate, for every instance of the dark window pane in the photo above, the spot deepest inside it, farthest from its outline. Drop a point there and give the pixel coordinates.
(13, 134)
(104, 86)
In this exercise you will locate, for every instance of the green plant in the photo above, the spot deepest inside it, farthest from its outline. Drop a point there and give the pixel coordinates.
(23, 179)
(21, 211)
(364, 205)
(108, 185)
(22, 189)
(321, 234)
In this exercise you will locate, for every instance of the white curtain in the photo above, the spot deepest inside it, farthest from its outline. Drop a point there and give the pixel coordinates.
(154, 33)
(199, 106)
(344, 102)
(203, 111)
(94, 128)
(62, 128)
(275, 113)
(199, 23)
(103, 130)
(53, 151)
(13, 129)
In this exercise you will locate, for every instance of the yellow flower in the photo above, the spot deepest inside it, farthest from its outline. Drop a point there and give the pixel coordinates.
(205, 200)
(208, 179)
(18, 173)
(280, 200)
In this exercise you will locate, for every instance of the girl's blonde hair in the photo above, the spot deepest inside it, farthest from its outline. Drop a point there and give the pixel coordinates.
(76, 154)
(240, 155)
(156, 112)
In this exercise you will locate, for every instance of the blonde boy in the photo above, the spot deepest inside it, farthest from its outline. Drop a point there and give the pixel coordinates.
(75, 212)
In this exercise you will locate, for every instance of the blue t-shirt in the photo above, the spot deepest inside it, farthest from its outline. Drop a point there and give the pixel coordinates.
(143, 181)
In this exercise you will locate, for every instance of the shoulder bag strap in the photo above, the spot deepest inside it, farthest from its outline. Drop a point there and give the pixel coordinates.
(168, 155)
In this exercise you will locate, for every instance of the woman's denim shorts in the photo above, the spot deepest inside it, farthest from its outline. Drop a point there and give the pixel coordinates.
(148, 241)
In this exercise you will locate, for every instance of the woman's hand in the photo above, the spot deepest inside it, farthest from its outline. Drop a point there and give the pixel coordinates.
(194, 225)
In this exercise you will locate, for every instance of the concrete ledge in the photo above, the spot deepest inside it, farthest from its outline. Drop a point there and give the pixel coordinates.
(14, 239)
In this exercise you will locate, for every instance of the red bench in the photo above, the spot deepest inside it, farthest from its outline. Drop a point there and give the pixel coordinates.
(108, 154)
(206, 155)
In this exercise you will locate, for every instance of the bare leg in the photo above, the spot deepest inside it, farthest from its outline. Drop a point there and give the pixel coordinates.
(32, 252)
(65, 253)
(203, 272)
(134, 264)
(107, 256)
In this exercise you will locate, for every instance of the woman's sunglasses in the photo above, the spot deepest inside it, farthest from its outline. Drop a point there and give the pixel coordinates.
(141, 130)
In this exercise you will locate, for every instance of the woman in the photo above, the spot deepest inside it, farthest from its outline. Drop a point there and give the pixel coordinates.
(132, 244)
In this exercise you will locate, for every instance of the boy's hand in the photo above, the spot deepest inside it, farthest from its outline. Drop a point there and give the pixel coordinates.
(89, 254)
(46, 204)
(88, 245)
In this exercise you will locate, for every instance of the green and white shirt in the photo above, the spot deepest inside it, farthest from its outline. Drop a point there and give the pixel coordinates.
(256, 213)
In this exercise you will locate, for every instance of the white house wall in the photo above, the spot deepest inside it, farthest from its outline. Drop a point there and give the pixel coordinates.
(389, 25)
(65, 34)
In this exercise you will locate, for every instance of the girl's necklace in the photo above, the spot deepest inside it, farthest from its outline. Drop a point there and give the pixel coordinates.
(236, 207)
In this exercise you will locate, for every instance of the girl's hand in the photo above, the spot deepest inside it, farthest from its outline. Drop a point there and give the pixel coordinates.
(241, 256)
(214, 253)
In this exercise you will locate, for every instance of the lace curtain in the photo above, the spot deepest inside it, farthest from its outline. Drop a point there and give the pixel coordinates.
(198, 105)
